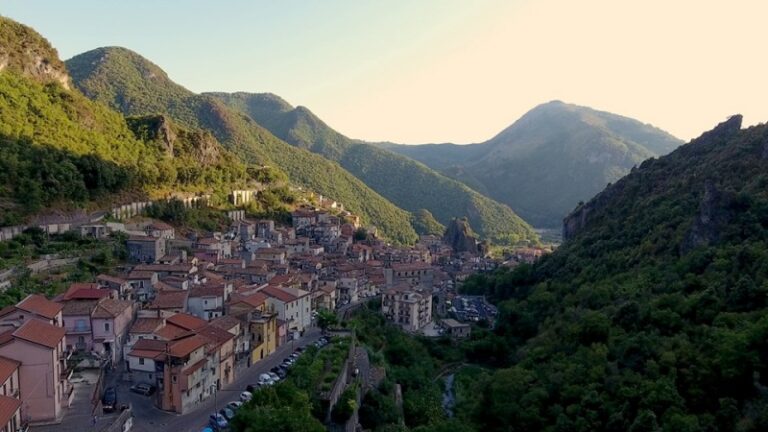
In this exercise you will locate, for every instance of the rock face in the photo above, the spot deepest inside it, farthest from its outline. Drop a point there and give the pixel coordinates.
(713, 214)
(459, 236)
(24, 51)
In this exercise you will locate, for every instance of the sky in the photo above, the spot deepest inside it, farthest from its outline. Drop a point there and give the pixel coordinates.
(419, 71)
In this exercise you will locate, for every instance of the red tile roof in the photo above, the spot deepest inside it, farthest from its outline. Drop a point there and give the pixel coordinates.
(111, 308)
(255, 300)
(186, 321)
(170, 300)
(279, 294)
(37, 304)
(7, 367)
(146, 325)
(40, 333)
(171, 332)
(8, 408)
(186, 346)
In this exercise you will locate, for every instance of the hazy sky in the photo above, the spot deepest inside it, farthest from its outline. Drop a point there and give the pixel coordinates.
(416, 71)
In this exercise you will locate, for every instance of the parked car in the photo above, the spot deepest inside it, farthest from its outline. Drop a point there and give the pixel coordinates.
(234, 405)
(109, 400)
(246, 396)
(275, 377)
(217, 421)
(281, 373)
(143, 389)
(227, 413)
(265, 379)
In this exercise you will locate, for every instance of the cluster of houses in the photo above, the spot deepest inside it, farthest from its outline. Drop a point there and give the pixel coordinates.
(186, 312)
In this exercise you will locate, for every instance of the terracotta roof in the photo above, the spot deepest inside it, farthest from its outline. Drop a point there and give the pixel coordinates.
(207, 290)
(186, 321)
(186, 346)
(148, 348)
(278, 293)
(8, 407)
(7, 367)
(111, 308)
(139, 274)
(226, 322)
(37, 304)
(170, 300)
(216, 336)
(195, 366)
(157, 225)
(40, 333)
(111, 279)
(146, 325)
(85, 291)
(165, 268)
(171, 332)
(78, 307)
(254, 300)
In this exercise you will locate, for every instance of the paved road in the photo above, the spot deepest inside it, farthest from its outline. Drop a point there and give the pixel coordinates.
(148, 418)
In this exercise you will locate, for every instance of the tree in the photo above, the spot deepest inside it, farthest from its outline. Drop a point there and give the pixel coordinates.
(326, 319)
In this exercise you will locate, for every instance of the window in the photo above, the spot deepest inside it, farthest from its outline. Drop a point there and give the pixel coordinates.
(174, 379)
(141, 361)
(106, 326)
(150, 376)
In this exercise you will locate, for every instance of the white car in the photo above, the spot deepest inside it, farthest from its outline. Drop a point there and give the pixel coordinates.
(246, 396)
(265, 379)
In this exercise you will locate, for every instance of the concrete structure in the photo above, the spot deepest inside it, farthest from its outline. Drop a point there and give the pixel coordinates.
(415, 274)
(455, 329)
(292, 305)
(407, 307)
(145, 249)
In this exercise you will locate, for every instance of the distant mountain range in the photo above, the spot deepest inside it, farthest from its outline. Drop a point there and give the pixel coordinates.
(549, 160)
(258, 126)
(407, 183)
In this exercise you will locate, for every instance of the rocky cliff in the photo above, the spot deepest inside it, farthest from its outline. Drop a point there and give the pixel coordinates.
(460, 237)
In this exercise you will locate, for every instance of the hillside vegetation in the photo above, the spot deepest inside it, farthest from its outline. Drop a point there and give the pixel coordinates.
(556, 155)
(653, 315)
(133, 85)
(408, 184)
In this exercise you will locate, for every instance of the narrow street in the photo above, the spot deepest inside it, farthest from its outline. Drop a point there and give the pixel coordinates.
(148, 418)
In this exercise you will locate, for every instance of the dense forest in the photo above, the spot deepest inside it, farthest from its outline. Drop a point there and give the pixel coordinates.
(652, 316)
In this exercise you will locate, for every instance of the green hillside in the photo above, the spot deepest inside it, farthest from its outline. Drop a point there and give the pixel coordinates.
(653, 316)
(131, 84)
(550, 159)
(408, 184)
(63, 150)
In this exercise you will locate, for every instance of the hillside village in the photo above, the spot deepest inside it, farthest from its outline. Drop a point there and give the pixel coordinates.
(185, 314)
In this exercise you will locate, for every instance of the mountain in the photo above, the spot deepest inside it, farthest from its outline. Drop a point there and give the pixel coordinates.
(133, 85)
(60, 148)
(549, 160)
(652, 315)
(409, 184)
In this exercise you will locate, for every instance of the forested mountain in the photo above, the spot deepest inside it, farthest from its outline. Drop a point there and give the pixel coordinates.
(133, 85)
(654, 313)
(556, 155)
(408, 184)
(60, 148)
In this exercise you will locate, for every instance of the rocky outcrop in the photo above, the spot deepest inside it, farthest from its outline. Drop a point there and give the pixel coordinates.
(24, 51)
(713, 214)
(460, 237)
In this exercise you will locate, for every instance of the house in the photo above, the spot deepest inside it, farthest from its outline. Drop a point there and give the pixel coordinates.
(455, 329)
(97, 231)
(221, 352)
(272, 255)
(10, 398)
(142, 328)
(34, 306)
(264, 335)
(415, 274)
(292, 305)
(76, 317)
(185, 379)
(160, 230)
(142, 284)
(207, 301)
(407, 307)
(233, 325)
(145, 249)
(118, 284)
(324, 297)
(43, 372)
(170, 301)
(141, 359)
(110, 320)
